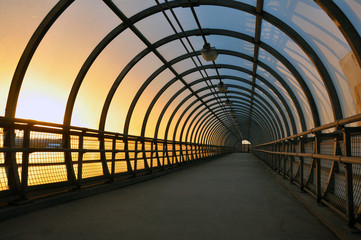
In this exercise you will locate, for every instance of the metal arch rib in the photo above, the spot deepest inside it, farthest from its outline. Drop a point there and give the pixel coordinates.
(344, 24)
(28, 53)
(195, 109)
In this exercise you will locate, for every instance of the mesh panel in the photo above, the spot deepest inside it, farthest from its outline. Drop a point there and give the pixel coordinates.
(356, 170)
(45, 140)
(325, 172)
(140, 164)
(74, 142)
(120, 166)
(19, 138)
(1, 139)
(92, 169)
(337, 194)
(108, 144)
(91, 143)
(3, 177)
(46, 167)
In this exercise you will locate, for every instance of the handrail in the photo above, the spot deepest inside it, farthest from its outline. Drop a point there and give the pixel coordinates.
(340, 159)
(288, 157)
(37, 155)
(341, 122)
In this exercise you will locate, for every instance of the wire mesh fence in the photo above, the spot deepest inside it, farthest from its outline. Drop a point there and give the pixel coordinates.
(37, 157)
(326, 164)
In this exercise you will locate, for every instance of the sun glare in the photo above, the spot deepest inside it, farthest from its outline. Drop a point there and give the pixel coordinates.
(40, 106)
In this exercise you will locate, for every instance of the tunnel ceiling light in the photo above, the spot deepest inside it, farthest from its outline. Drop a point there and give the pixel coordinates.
(228, 102)
(222, 87)
(209, 53)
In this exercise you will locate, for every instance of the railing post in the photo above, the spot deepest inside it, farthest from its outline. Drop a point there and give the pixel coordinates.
(11, 167)
(80, 159)
(103, 156)
(126, 149)
(274, 161)
(175, 158)
(151, 156)
(279, 157)
(144, 153)
(135, 158)
(317, 145)
(348, 178)
(67, 156)
(114, 147)
(301, 150)
(291, 147)
(285, 149)
(25, 163)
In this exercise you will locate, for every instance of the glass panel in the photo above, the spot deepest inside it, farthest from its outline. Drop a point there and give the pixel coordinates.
(236, 61)
(146, 98)
(313, 24)
(158, 107)
(258, 95)
(177, 116)
(172, 50)
(229, 82)
(50, 76)
(191, 77)
(101, 76)
(131, 7)
(226, 18)
(311, 77)
(303, 103)
(352, 9)
(228, 43)
(127, 90)
(231, 72)
(154, 27)
(18, 21)
(201, 85)
(274, 96)
(187, 127)
(184, 65)
(170, 111)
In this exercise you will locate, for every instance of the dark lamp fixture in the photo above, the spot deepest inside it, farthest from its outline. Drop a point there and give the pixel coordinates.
(221, 87)
(228, 103)
(232, 112)
(209, 53)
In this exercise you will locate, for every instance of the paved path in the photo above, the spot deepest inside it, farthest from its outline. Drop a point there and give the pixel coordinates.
(232, 197)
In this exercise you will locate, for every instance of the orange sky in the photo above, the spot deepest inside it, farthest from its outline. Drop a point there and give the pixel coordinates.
(59, 57)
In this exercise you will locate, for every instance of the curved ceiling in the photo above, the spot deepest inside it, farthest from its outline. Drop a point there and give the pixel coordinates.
(135, 67)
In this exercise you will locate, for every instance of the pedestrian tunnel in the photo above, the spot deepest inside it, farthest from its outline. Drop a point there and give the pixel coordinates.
(96, 92)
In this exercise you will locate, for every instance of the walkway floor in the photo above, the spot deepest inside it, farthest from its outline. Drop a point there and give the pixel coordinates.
(232, 197)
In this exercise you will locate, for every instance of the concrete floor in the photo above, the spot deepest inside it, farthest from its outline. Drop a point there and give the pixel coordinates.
(232, 197)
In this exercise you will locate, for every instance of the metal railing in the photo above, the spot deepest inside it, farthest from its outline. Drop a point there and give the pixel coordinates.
(324, 161)
(38, 158)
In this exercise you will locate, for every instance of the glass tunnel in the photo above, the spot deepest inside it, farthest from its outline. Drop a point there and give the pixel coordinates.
(93, 91)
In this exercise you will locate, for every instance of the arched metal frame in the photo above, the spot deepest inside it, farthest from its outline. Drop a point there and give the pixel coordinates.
(345, 26)
(261, 89)
(11, 106)
(195, 109)
(270, 124)
(215, 104)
